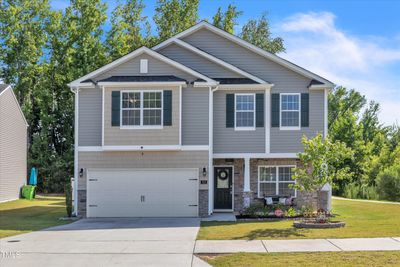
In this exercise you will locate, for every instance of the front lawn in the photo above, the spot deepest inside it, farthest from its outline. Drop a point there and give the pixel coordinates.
(22, 216)
(343, 259)
(362, 219)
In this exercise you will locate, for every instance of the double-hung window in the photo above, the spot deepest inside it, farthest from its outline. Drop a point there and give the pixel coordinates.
(290, 111)
(245, 113)
(275, 181)
(141, 109)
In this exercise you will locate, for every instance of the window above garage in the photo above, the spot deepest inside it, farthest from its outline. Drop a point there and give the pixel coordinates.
(141, 109)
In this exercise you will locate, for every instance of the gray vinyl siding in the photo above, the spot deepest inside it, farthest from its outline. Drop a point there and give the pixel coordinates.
(227, 140)
(13, 148)
(155, 67)
(197, 62)
(132, 160)
(290, 141)
(90, 101)
(284, 80)
(168, 135)
(195, 116)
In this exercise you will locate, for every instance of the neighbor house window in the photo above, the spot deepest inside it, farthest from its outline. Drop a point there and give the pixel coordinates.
(275, 181)
(141, 108)
(290, 111)
(245, 111)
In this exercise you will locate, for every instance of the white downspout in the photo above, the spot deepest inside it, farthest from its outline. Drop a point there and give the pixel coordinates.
(211, 150)
(75, 90)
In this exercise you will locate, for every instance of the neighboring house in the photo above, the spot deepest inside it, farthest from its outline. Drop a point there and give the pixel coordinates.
(13, 145)
(202, 122)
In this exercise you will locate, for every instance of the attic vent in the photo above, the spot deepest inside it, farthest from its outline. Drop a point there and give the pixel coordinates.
(143, 66)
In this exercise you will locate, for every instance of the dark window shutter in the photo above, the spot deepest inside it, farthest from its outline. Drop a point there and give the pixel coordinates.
(275, 107)
(167, 107)
(115, 108)
(230, 110)
(305, 109)
(259, 110)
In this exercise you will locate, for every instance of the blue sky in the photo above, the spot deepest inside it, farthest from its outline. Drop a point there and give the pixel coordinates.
(355, 43)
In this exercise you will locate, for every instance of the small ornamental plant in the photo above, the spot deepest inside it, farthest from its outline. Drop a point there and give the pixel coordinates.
(319, 164)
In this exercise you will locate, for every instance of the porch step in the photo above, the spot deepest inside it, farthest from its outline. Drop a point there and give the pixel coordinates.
(220, 217)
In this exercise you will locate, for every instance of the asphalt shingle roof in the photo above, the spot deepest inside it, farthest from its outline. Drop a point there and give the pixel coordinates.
(158, 78)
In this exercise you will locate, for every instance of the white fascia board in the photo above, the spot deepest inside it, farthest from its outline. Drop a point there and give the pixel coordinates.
(133, 54)
(141, 84)
(245, 86)
(16, 101)
(216, 60)
(320, 87)
(255, 155)
(143, 148)
(249, 46)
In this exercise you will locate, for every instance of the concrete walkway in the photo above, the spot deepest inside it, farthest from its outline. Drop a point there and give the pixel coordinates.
(296, 245)
(367, 200)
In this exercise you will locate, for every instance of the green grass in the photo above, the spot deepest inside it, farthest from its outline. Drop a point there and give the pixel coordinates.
(362, 219)
(342, 259)
(23, 216)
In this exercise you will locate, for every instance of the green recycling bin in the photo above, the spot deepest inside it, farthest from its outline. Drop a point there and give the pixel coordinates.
(28, 191)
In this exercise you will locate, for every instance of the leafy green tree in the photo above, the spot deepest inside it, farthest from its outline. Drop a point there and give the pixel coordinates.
(127, 24)
(388, 182)
(228, 20)
(320, 164)
(174, 16)
(258, 33)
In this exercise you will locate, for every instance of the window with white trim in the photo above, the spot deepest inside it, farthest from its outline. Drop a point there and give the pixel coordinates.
(141, 108)
(290, 111)
(245, 113)
(275, 181)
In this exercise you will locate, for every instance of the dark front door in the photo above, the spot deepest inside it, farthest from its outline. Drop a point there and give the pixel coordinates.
(223, 187)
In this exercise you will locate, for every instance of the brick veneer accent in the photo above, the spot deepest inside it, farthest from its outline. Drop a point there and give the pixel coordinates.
(82, 203)
(203, 203)
(303, 198)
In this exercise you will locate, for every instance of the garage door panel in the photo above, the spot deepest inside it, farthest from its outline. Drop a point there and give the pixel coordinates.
(143, 193)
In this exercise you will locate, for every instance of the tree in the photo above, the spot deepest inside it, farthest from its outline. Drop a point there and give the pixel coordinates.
(228, 20)
(257, 32)
(388, 182)
(126, 32)
(320, 164)
(174, 16)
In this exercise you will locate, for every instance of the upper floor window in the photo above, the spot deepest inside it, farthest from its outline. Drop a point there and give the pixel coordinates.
(141, 108)
(275, 181)
(245, 111)
(290, 111)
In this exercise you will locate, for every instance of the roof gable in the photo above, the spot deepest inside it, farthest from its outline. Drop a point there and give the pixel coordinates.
(108, 69)
(247, 45)
(6, 90)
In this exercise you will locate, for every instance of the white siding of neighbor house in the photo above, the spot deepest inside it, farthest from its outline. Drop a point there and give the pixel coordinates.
(13, 148)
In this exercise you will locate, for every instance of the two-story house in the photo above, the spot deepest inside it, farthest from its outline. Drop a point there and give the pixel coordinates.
(202, 122)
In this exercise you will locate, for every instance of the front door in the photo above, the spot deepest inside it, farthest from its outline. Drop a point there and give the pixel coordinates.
(223, 187)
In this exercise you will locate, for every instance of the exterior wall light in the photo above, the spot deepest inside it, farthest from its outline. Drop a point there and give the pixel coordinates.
(204, 171)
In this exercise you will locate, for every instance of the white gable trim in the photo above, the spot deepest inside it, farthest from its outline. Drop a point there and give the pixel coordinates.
(135, 53)
(214, 59)
(16, 101)
(249, 46)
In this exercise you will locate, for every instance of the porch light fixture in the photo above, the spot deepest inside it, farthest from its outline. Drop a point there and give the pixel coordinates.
(204, 171)
(81, 172)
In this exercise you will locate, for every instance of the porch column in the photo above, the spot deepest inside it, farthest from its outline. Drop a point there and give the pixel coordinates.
(246, 184)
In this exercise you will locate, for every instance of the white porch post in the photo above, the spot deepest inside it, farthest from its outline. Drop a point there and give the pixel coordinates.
(246, 184)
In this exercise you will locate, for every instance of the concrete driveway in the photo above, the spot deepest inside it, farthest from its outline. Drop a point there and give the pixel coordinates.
(106, 242)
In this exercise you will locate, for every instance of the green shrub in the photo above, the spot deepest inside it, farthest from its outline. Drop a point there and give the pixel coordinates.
(388, 183)
(68, 198)
(291, 212)
(256, 210)
(352, 190)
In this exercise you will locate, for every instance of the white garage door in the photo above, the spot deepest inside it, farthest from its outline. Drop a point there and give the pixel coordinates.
(142, 193)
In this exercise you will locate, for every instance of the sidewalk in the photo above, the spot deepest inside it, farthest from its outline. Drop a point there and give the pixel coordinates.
(297, 245)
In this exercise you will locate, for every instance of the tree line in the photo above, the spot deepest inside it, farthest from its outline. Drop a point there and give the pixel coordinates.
(41, 50)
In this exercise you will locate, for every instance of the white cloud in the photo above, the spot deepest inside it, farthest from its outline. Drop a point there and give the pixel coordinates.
(367, 64)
